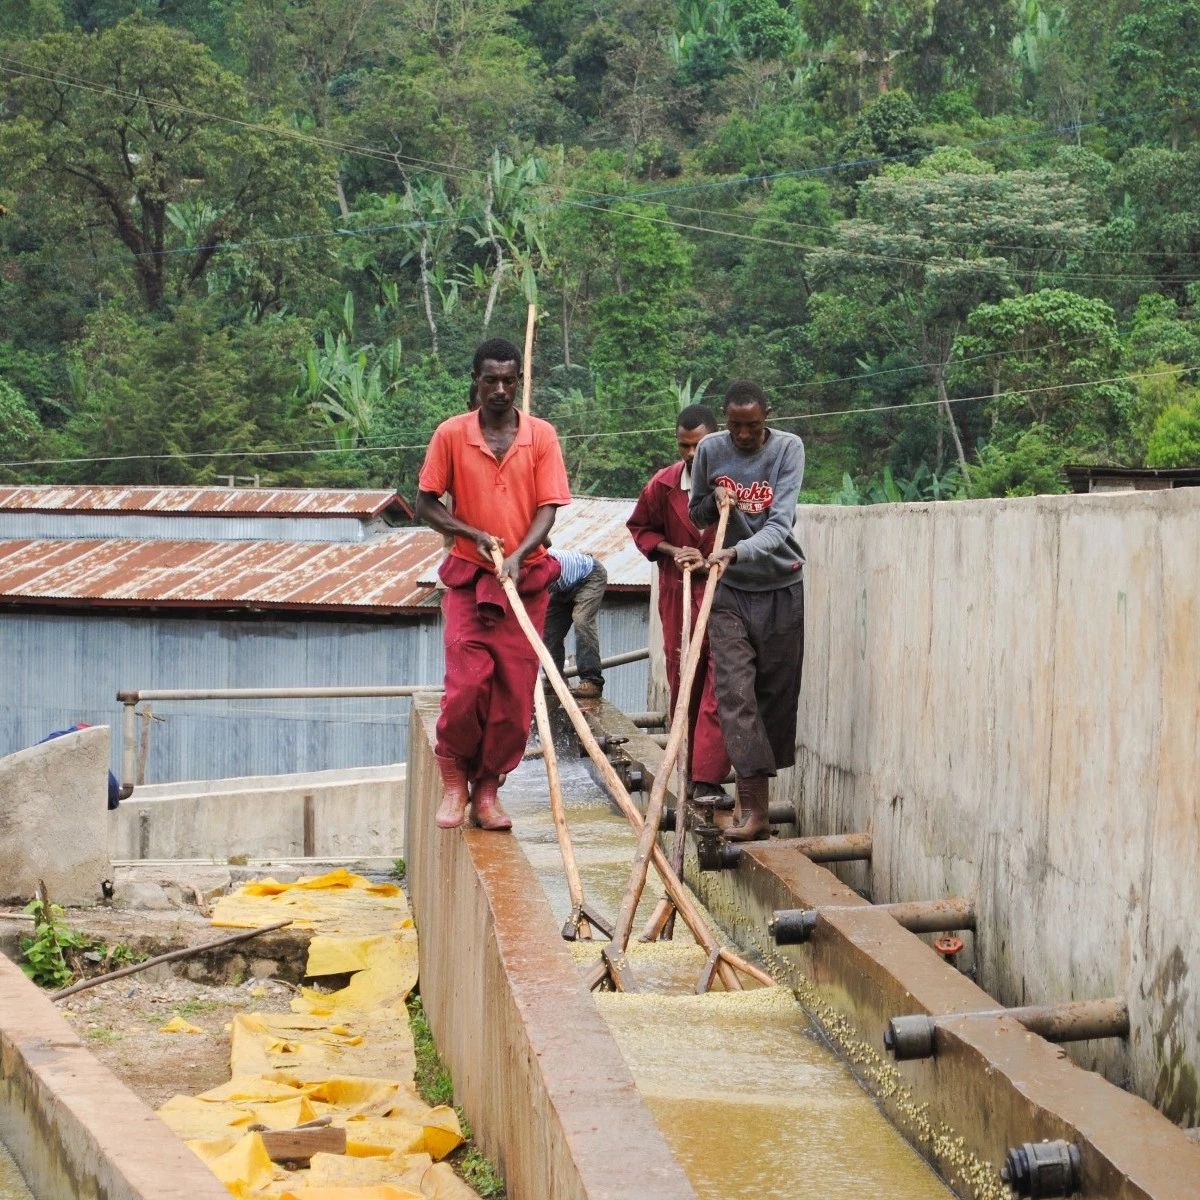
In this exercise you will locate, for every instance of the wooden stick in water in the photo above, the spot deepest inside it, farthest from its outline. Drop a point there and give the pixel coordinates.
(577, 923)
(679, 895)
(648, 837)
(685, 774)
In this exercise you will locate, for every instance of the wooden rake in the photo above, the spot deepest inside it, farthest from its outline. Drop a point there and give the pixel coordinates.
(583, 916)
(662, 920)
(721, 960)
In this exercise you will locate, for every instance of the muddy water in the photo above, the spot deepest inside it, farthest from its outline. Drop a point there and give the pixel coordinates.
(12, 1185)
(751, 1101)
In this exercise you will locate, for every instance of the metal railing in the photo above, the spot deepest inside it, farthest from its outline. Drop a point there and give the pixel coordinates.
(130, 701)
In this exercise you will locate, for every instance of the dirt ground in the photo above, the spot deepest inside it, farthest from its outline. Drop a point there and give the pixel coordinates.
(119, 1022)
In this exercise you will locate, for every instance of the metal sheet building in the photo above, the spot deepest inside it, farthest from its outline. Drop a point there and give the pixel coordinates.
(109, 589)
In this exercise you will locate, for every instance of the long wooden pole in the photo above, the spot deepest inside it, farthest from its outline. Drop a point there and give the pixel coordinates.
(527, 386)
(648, 836)
(170, 956)
(685, 774)
(576, 921)
(691, 915)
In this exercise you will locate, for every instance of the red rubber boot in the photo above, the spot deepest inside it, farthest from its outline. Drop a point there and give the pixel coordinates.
(486, 809)
(453, 809)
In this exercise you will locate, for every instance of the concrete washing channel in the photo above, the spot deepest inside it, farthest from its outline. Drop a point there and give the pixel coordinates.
(774, 1092)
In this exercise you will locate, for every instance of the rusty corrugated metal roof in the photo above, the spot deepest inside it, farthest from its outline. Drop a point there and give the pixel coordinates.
(380, 576)
(208, 501)
(596, 526)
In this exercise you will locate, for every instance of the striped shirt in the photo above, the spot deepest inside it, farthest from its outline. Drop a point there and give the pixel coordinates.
(576, 567)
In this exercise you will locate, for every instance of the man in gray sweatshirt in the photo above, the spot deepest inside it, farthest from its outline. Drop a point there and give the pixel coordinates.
(756, 631)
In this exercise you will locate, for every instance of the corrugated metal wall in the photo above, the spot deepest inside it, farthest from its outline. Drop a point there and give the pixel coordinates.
(58, 669)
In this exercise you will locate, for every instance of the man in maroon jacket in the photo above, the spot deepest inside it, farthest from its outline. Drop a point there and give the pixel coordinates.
(664, 533)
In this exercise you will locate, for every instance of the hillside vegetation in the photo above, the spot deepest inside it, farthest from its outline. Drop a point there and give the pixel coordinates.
(959, 243)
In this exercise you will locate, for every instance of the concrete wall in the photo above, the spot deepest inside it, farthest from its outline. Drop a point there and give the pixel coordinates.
(54, 818)
(74, 1129)
(534, 1065)
(1006, 694)
(357, 812)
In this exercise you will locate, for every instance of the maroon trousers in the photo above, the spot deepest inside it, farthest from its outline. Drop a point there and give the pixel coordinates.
(709, 761)
(491, 669)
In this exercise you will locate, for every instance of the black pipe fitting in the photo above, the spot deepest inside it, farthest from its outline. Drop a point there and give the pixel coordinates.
(1045, 1169)
(792, 926)
(909, 1037)
(709, 845)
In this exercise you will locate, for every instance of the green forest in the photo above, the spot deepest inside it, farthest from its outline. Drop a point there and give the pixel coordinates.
(959, 243)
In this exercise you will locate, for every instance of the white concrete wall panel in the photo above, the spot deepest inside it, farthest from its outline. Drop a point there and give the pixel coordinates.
(1007, 695)
(54, 819)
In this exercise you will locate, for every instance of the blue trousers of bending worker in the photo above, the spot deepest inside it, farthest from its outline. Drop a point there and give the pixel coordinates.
(578, 605)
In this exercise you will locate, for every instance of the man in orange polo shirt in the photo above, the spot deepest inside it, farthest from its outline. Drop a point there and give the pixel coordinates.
(504, 472)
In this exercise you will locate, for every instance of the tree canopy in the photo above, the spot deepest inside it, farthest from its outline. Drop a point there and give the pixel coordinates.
(959, 245)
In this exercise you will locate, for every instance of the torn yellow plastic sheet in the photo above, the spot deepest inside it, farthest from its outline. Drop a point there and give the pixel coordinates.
(300, 1047)
(383, 1191)
(385, 982)
(337, 902)
(244, 1168)
(178, 1025)
(346, 1055)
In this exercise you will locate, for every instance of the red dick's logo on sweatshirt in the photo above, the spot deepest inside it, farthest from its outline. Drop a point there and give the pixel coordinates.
(751, 497)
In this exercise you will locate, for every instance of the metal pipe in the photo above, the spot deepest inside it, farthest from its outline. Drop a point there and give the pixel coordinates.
(834, 847)
(292, 693)
(648, 720)
(615, 660)
(325, 693)
(913, 1037)
(1042, 1169)
(128, 747)
(779, 813)
(791, 926)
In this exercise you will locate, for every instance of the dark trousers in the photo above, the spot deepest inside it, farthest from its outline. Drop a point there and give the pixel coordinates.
(757, 646)
(579, 607)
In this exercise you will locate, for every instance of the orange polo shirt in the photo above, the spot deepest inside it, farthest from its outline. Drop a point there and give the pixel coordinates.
(498, 497)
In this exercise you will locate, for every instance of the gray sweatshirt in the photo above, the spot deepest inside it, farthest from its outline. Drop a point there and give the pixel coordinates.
(767, 483)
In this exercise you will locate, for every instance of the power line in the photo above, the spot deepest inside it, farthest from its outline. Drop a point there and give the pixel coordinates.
(597, 198)
(624, 433)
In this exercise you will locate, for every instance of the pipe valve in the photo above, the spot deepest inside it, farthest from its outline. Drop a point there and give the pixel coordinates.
(1046, 1169)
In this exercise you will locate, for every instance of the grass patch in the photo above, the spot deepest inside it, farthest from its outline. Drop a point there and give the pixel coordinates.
(433, 1081)
(103, 1034)
(435, 1086)
(193, 1008)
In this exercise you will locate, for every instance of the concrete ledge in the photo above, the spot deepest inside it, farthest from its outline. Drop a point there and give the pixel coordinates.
(992, 1082)
(356, 812)
(54, 818)
(535, 1067)
(73, 1128)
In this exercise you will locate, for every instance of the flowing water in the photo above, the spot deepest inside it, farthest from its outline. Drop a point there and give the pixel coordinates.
(749, 1098)
(12, 1185)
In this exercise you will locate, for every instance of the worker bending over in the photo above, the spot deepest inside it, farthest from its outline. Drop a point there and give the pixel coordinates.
(756, 631)
(664, 532)
(505, 476)
(575, 599)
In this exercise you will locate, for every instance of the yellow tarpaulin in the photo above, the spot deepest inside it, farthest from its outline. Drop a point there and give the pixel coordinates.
(178, 1025)
(346, 1055)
